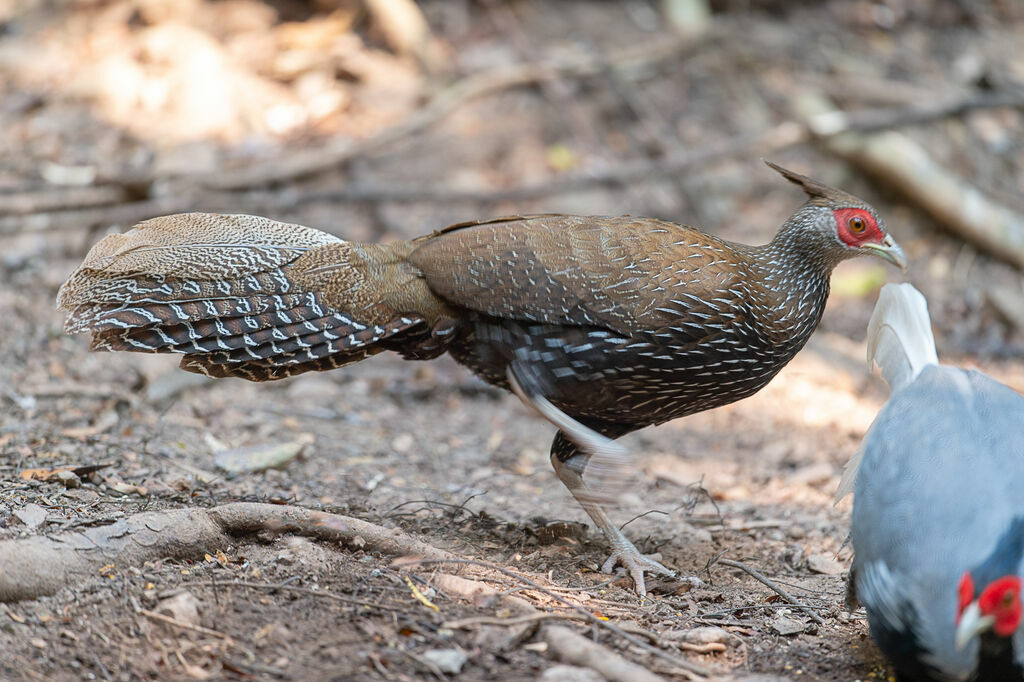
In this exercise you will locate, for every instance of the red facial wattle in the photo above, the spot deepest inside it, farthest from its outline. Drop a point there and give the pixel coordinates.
(856, 227)
(1001, 599)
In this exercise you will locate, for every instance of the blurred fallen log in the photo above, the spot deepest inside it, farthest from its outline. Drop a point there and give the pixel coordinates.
(60, 199)
(39, 565)
(1008, 300)
(774, 139)
(406, 31)
(905, 166)
(886, 118)
(116, 214)
(335, 153)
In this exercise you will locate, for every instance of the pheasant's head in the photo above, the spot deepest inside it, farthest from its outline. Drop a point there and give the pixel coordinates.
(996, 608)
(989, 595)
(834, 225)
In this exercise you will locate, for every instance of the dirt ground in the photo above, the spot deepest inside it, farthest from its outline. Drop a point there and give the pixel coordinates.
(113, 111)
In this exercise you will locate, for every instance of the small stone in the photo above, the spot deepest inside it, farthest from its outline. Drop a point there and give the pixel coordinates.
(785, 626)
(32, 515)
(448, 661)
(69, 478)
(813, 475)
(570, 673)
(260, 457)
(824, 564)
(182, 607)
(702, 635)
(402, 443)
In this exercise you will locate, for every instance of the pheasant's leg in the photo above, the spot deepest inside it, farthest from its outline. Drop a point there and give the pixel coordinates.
(577, 447)
(567, 461)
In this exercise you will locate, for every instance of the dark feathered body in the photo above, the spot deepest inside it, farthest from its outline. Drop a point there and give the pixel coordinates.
(666, 320)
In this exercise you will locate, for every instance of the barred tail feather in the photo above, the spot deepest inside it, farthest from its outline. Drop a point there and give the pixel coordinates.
(231, 293)
(269, 371)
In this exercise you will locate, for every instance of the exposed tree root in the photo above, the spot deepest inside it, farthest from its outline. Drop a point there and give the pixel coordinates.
(40, 565)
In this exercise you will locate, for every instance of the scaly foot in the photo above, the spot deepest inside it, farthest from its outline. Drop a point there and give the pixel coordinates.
(635, 563)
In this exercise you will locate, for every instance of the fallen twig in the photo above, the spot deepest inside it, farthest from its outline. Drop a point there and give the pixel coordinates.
(153, 615)
(578, 650)
(614, 629)
(589, 588)
(59, 198)
(886, 118)
(120, 214)
(431, 667)
(464, 623)
(770, 584)
(743, 525)
(708, 648)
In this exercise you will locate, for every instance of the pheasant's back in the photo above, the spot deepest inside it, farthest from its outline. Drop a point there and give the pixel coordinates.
(627, 320)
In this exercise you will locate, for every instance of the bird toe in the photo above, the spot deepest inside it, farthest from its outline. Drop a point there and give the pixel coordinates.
(636, 564)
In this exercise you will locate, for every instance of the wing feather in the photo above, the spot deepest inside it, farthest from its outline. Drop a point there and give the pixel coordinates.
(617, 273)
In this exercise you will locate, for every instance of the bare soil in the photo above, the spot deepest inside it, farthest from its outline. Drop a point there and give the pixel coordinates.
(427, 448)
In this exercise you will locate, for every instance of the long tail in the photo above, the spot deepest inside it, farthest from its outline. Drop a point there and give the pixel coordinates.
(244, 296)
(900, 342)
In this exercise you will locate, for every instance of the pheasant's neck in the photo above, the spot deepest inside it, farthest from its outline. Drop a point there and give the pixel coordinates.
(796, 286)
(997, 660)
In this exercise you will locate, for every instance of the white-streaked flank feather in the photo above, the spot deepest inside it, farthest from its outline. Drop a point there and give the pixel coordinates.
(900, 342)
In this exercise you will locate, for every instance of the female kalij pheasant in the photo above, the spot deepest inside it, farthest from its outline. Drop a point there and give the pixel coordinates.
(604, 325)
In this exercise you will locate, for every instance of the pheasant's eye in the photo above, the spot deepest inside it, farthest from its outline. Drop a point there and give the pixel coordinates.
(1006, 601)
(857, 224)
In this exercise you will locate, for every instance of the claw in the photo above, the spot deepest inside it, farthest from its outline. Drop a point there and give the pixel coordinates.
(635, 564)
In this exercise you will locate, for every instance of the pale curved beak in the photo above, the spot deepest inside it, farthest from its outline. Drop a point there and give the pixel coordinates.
(971, 624)
(890, 251)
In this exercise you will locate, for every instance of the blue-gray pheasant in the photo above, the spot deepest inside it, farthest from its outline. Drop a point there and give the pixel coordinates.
(938, 509)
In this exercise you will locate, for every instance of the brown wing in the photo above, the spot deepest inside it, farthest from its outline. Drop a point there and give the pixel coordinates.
(618, 273)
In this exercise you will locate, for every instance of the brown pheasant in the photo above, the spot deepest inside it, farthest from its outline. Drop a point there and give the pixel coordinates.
(604, 325)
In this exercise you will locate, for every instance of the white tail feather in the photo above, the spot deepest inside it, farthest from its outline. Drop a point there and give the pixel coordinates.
(900, 342)
(900, 337)
(608, 467)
